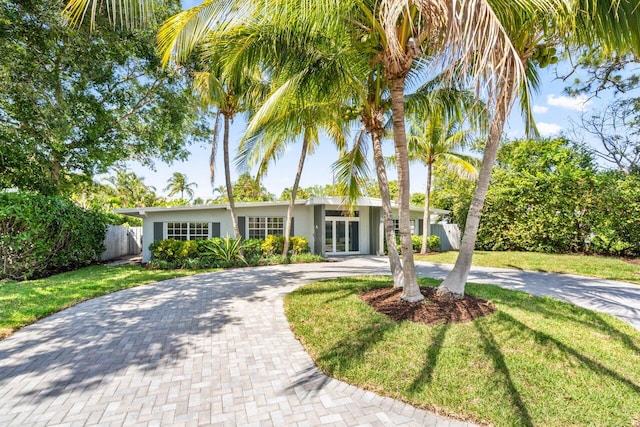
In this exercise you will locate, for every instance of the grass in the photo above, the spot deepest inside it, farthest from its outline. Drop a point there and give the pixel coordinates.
(22, 303)
(535, 361)
(583, 265)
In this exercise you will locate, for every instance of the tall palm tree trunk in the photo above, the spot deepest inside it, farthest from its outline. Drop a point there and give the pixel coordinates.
(387, 212)
(294, 191)
(426, 219)
(227, 177)
(411, 290)
(214, 150)
(453, 286)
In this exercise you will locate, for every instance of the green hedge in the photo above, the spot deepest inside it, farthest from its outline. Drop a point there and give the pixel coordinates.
(433, 243)
(42, 235)
(218, 252)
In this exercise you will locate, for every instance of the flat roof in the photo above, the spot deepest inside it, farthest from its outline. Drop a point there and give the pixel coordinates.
(314, 201)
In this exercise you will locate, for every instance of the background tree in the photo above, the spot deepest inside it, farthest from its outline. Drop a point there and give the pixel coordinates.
(303, 193)
(541, 199)
(434, 138)
(129, 190)
(246, 189)
(63, 119)
(178, 184)
(451, 193)
(616, 130)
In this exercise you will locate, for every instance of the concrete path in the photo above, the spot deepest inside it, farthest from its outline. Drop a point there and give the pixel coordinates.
(619, 299)
(216, 349)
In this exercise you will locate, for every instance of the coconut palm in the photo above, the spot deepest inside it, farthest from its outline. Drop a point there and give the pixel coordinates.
(268, 136)
(474, 40)
(178, 183)
(230, 95)
(436, 138)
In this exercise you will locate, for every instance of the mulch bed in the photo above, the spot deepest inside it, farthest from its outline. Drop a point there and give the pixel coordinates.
(433, 310)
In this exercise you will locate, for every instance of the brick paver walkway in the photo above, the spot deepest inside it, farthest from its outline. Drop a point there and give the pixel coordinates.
(212, 349)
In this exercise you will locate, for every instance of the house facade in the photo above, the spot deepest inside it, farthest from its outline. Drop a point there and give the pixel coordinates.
(330, 229)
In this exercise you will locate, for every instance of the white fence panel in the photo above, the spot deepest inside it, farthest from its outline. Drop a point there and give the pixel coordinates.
(120, 241)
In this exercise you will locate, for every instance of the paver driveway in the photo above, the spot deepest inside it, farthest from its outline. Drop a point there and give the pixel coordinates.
(200, 350)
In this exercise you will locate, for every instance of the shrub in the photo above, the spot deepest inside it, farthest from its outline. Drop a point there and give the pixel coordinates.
(272, 245)
(228, 251)
(42, 235)
(298, 245)
(433, 243)
(252, 249)
(174, 250)
(416, 241)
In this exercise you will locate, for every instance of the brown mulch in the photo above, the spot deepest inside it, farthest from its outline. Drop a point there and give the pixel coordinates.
(433, 310)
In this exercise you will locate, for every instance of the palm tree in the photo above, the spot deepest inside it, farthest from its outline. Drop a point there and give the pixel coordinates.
(178, 184)
(437, 138)
(473, 42)
(230, 94)
(269, 133)
(130, 189)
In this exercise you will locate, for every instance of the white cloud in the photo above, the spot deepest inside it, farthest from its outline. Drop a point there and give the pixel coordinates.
(548, 129)
(578, 103)
(539, 109)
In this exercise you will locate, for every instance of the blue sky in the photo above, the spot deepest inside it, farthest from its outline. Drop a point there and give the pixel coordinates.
(553, 110)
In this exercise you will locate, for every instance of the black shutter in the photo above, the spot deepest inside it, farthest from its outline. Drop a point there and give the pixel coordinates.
(215, 229)
(158, 229)
(420, 227)
(291, 233)
(242, 225)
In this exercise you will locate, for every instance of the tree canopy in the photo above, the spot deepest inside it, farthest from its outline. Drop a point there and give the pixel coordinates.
(73, 102)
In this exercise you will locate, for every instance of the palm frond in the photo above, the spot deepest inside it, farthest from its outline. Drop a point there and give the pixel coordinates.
(125, 13)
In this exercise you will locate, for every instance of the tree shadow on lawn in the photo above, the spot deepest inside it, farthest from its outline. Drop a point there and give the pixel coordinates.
(543, 338)
(598, 322)
(433, 351)
(492, 350)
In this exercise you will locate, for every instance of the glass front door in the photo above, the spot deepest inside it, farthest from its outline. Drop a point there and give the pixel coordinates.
(341, 235)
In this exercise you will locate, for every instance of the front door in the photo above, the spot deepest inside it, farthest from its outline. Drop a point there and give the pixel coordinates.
(342, 235)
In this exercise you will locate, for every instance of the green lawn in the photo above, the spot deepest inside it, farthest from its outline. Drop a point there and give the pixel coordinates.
(535, 361)
(22, 303)
(584, 265)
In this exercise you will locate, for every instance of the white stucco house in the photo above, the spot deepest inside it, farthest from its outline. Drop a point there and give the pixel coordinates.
(322, 220)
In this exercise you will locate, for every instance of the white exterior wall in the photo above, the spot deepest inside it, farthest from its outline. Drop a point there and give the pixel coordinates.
(365, 233)
(303, 221)
(209, 216)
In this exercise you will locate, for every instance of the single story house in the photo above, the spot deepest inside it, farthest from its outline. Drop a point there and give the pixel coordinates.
(330, 229)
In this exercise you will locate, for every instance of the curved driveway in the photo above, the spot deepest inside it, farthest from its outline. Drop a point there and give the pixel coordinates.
(217, 349)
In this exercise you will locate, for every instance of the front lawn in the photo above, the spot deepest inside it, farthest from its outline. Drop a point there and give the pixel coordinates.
(22, 303)
(584, 265)
(535, 361)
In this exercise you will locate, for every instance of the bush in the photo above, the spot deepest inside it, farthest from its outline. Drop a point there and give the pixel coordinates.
(174, 250)
(298, 245)
(416, 241)
(252, 249)
(227, 251)
(272, 245)
(433, 243)
(42, 235)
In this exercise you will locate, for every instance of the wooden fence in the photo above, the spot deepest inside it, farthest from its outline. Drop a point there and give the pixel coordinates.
(121, 241)
(449, 236)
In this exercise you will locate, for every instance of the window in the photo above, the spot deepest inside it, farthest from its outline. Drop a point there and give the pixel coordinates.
(354, 214)
(396, 226)
(187, 230)
(260, 227)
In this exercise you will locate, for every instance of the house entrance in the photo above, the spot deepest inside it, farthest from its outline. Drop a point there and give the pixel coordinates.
(342, 235)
